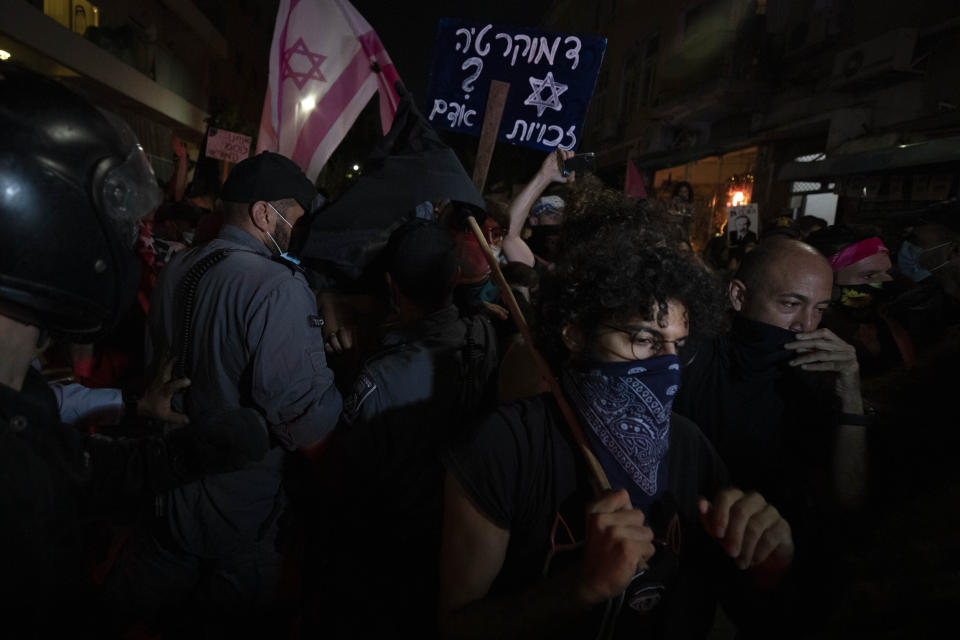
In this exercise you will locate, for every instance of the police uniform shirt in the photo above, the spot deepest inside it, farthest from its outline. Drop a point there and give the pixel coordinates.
(257, 343)
(257, 339)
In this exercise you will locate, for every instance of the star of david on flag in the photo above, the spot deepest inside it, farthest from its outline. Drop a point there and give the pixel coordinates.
(292, 55)
(326, 62)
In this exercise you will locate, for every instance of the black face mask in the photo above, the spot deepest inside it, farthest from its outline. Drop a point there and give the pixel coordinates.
(758, 346)
(861, 301)
(543, 241)
(471, 296)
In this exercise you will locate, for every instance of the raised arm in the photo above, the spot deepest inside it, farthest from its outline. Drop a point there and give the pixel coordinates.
(178, 185)
(822, 350)
(514, 248)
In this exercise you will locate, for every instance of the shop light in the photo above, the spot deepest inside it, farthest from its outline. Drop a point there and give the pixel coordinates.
(4, 54)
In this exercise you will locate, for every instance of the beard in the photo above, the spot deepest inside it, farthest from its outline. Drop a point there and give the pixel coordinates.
(281, 233)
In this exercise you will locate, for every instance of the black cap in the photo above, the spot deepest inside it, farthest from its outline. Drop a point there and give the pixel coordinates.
(268, 177)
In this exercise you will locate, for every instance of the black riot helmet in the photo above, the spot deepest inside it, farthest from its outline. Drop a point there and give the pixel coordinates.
(74, 183)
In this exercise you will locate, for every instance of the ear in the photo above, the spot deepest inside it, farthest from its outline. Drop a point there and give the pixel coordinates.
(738, 294)
(260, 215)
(573, 338)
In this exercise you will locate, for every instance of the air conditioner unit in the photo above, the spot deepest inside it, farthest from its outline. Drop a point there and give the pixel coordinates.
(875, 60)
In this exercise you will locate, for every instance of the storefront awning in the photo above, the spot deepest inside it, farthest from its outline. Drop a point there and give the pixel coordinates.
(898, 157)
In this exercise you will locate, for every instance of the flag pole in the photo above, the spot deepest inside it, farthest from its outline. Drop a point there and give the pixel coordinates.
(506, 293)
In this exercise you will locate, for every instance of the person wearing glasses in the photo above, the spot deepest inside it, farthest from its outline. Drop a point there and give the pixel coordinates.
(528, 550)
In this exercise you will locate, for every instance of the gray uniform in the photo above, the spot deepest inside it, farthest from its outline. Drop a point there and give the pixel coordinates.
(258, 339)
(257, 343)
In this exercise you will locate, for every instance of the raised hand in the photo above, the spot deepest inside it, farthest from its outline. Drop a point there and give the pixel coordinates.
(822, 350)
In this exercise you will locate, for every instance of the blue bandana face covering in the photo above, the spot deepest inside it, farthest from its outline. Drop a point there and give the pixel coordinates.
(625, 408)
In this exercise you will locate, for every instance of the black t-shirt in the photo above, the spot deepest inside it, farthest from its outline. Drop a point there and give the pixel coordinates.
(771, 424)
(524, 472)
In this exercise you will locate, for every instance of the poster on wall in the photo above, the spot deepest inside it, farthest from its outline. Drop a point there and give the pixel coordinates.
(742, 225)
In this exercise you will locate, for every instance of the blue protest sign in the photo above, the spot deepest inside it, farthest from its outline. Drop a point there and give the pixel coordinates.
(551, 78)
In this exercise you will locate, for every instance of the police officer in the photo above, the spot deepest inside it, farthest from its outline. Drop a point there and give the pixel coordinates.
(239, 315)
(431, 372)
(73, 185)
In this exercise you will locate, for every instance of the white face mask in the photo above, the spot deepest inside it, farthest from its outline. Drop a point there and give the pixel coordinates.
(283, 254)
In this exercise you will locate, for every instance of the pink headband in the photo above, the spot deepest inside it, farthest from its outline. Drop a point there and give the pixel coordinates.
(857, 252)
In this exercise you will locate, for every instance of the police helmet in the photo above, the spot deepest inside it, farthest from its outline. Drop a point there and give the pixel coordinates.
(74, 184)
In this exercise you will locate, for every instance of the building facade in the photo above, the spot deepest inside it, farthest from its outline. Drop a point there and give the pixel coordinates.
(162, 65)
(839, 108)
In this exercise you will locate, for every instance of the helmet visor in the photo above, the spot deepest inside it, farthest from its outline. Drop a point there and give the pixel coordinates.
(130, 192)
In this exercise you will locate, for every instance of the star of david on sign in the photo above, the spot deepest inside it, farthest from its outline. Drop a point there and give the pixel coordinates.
(536, 98)
(300, 78)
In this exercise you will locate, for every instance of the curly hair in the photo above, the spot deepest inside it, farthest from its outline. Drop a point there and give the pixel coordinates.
(593, 208)
(615, 264)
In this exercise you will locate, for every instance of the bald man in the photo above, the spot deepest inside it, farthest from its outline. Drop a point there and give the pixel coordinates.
(780, 400)
(776, 394)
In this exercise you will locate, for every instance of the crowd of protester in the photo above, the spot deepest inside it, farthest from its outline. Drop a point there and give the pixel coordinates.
(244, 455)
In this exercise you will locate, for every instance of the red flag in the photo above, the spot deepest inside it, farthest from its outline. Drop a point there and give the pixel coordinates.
(326, 62)
(633, 183)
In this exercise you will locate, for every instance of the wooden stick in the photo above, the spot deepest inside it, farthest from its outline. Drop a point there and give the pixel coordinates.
(492, 115)
(507, 294)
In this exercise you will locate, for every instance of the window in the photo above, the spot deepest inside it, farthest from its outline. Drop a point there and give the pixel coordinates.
(75, 15)
(806, 187)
